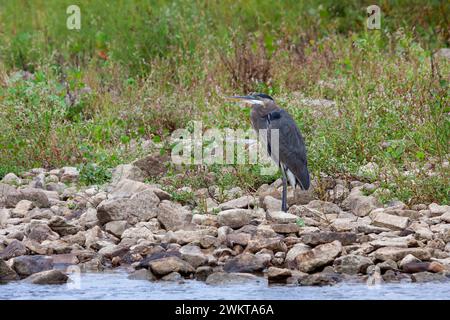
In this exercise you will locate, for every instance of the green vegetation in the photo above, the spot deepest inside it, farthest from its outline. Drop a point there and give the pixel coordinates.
(140, 69)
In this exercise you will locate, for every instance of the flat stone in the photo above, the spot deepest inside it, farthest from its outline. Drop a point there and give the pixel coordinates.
(398, 254)
(239, 203)
(285, 228)
(282, 217)
(385, 220)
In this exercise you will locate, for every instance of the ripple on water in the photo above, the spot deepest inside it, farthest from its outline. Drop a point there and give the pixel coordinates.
(97, 286)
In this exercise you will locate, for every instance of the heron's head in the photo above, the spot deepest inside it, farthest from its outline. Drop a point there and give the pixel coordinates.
(254, 99)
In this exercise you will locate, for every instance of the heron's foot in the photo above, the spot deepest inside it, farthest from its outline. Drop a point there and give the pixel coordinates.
(284, 208)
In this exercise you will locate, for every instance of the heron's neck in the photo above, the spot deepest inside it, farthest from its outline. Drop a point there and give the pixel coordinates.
(264, 110)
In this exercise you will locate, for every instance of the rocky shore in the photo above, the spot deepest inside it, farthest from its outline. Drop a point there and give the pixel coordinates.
(48, 223)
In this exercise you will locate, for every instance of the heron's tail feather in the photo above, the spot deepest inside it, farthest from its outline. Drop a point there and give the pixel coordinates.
(303, 179)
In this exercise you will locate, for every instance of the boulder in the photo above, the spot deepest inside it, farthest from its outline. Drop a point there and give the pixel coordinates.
(245, 263)
(117, 228)
(271, 204)
(40, 232)
(142, 274)
(274, 244)
(62, 227)
(141, 206)
(428, 277)
(282, 217)
(25, 266)
(11, 179)
(390, 221)
(14, 249)
(285, 228)
(275, 274)
(48, 277)
(202, 273)
(320, 279)
(193, 255)
(235, 218)
(22, 208)
(127, 171)
(296, 250)
(359, 204)
(352, 264)
(173, 216)
(36, 196)
(164, 266)
(318, 257)
(152, 165)
(6, 273)
(397, 254)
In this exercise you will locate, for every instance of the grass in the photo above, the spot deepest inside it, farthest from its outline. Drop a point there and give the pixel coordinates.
(137, 70)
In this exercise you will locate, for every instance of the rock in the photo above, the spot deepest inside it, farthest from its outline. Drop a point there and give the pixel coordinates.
(387, 265)
(25, 266)
(6, 273)
(224, 278)
(398, 254)
(14, 249)
(414, 267)
(11, 179)
(93, 265)
(296, 250)
(142, 274)
(234, 218)
(428, 277)
(360, 204)
(183, 237)
(318, 257)
(275, 274)
(282, 217)
(202, 273)
(4, 216)
(320, 279)
(40, 232)
(152, 165)
(97, 239)
(392, 276)
(117, 228)
(70, 174)
(443, 53)
(21, 209)
(48, 277)
(400, 242)
(238, 238)
(173, 276)
(324, 207)
(437, 210)
(407, 260)
(164, 266)
(127, 171)
(285, 228)
(65, 259)
(274, 244)
(271, 204)
(411, 214)
(352, 264)
(239, 203)
(36, 196)
(62, 227)
(302, 197)
(205, 220)
(245, 263)
(316, 238)
(139, 207)
(445, 217)
(89, 219)
(193, 255)
(173, 216)
(382, 219)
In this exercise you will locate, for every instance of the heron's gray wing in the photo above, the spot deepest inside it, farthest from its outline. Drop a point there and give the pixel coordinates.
(291, 147)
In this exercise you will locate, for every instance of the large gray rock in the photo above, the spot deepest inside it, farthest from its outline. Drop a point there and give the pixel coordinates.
(352, 264)
(318, 257)
(62, 227)
(14, 249)
(282, 217)
(6, 273)
(429, 277)
(193, 255)
(36, 196)
(141, 206)
(274, 244)
(164, 266)
(40, 232)
(25, 266)
(397, 254)
(381, 219)
(234, 218)
(271, 204)
(296, 250)
(117, 228)
(48, 277)
(173, 216)
(127, 171)
(246, 263)
(224, 278)
(360, 204)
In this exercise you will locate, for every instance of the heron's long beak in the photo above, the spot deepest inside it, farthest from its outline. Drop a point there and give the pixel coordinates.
(246, 99)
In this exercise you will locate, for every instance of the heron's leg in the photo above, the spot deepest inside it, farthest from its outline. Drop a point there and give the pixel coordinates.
(284, 194)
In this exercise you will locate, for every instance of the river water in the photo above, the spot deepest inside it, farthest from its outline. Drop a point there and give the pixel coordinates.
(116, 285)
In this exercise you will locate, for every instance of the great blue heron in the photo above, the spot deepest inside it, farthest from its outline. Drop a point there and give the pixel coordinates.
(291, 157)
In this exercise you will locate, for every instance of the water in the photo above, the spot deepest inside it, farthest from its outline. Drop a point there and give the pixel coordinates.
(116, 286)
